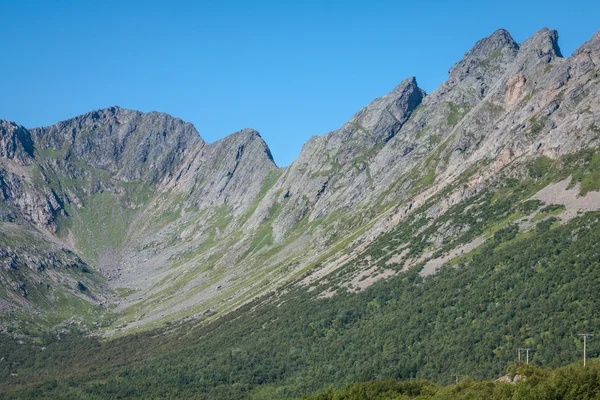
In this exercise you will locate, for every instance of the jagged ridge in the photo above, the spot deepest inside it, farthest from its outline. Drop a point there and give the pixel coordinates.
(188, 217)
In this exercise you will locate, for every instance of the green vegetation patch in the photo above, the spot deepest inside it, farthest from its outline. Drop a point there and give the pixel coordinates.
(457, 112)
(495, 54)
(586, 171)
(571, 382)
(434, 140)
(264, 234)
(552, 209)
(103, 222)
(421, 107)
(535, 125)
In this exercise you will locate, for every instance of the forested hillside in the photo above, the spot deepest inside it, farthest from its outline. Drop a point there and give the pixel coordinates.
(571, 382)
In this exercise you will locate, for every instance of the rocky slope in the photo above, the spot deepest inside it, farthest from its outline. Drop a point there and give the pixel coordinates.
(169, 227)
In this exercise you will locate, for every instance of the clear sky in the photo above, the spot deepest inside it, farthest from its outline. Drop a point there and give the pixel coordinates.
(289, 69)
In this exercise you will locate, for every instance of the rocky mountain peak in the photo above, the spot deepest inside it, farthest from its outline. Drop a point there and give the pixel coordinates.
(376, 123)
(337, 158)
(129, 145)
(247, 132)
(488, 45)
(543, 43)
(247, 138)
(245, 135)
(536, 52)
(115, 122)
(383, 117)
(408, 83)
(482, 66)
(15, 142)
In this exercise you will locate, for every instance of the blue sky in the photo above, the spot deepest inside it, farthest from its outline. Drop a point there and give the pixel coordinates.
(290, 69)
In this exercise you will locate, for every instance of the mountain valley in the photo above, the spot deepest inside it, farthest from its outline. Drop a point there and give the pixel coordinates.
(429, 236)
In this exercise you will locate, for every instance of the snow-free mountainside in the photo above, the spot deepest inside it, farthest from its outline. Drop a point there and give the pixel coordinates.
(428, 237)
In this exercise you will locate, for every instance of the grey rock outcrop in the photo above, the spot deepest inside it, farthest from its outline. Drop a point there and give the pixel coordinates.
(15, 143)
(481, 66)
(228, 172)
(315, 182)
(18, 189)
(128, 145)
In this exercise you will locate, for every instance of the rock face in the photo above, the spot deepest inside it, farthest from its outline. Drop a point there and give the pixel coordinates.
(228, 172)
(18, 193)
(329, 163)
(149, 205)
(515, 88)
(481, 67)
(15, 143)
(129, 145)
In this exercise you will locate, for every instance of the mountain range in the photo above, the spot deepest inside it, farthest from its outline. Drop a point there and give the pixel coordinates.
(472, 205)
(133, 216)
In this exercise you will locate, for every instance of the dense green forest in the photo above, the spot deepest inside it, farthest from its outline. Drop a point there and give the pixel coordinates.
(537, 290)
(571, 382)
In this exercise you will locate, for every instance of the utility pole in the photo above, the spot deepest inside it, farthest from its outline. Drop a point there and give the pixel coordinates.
(585, 336)
(519, 353)
(527, 351)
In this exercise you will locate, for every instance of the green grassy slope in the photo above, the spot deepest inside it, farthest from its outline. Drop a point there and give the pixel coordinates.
(52, 285)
